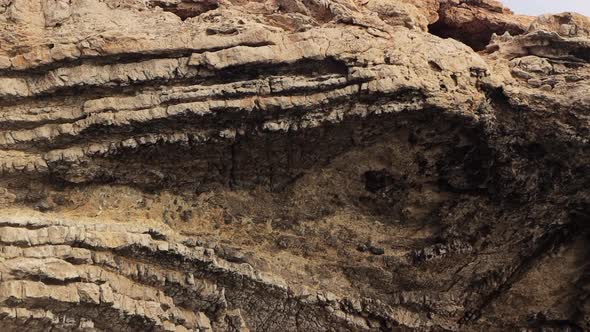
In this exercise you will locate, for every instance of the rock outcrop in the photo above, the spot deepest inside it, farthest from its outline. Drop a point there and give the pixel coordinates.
(293, 165)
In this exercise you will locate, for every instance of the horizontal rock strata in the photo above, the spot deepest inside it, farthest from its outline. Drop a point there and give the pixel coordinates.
(293, 165)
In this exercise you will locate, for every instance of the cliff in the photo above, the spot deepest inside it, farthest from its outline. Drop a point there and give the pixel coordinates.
(293, 165)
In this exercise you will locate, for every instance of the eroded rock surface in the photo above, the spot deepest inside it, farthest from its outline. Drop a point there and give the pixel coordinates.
(293, 165)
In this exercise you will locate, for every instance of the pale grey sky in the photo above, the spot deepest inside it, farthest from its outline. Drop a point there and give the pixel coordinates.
(537, 7)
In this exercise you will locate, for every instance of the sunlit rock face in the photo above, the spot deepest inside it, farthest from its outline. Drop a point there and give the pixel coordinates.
(293, 165)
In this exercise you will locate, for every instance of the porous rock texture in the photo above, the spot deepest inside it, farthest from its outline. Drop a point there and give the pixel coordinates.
(293, 165)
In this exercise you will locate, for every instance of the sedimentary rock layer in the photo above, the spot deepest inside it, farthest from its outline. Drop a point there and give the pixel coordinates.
(321, 165)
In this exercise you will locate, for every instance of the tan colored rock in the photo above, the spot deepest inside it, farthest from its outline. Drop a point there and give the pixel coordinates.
(292, 165)
(474, 22)
(565, 24)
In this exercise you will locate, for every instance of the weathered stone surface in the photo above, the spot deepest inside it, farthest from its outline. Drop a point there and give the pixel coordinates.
(474, 21)
(321, 165)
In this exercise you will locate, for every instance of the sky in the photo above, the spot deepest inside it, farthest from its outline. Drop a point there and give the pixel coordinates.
(537, 7)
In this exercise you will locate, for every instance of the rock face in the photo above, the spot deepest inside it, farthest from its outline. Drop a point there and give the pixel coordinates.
(293, 165)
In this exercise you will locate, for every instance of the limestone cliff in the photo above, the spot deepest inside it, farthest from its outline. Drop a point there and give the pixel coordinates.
(293, 165)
